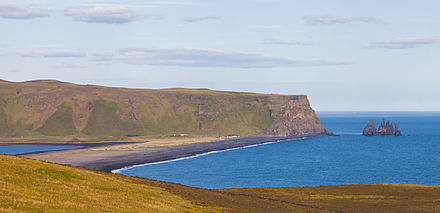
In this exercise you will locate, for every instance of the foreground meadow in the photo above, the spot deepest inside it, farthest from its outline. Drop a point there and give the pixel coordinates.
(34, 186)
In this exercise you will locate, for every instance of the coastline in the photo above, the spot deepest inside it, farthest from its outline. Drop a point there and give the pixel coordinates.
(117, 171)
(117, 159)
(77, 145)
(179, 152)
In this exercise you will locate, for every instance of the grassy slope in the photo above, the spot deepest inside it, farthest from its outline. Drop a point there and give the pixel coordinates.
(4, 129)
(379, 197)
(103, 119)
(60, 123)
(40, 107)
(29, 185)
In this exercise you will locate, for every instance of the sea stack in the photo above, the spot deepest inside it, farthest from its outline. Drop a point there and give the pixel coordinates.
(396, 130)
(370, 129)
(385, 128)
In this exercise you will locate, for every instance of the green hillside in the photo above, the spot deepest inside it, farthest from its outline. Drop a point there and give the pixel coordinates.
(58, 108)
(4, 129)
(60, 123)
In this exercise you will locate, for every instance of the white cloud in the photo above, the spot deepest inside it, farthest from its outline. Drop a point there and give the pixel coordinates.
(139, 4)
(205, 58)
(15, 12)
(328, 20)
(285, 42)
(106, 14)
(53, 54)
(403, 43)
(200, 18)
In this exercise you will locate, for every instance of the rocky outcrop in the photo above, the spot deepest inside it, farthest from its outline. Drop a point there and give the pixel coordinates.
(396, 130)
(58, 108)
(370, 129)
(385, 128)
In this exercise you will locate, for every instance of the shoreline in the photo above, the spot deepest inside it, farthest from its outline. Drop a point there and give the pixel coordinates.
(118, 159)
(185, 151)
(87, 145)
(117, 171)
(77, 145)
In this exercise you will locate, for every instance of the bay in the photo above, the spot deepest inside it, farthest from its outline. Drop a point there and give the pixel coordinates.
(346, 159)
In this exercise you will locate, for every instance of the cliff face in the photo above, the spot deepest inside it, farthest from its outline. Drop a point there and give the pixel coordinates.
(58, 108)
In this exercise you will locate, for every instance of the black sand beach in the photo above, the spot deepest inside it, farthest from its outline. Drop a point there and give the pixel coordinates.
(112, 159)
(176, 152)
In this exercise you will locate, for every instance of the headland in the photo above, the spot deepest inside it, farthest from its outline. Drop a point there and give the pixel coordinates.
(52, 108)
(176, 122)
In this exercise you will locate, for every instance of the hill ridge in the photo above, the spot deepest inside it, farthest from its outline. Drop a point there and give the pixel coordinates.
(114, 111)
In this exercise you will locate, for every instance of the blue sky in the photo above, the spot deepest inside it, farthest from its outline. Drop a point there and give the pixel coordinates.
(345, 55)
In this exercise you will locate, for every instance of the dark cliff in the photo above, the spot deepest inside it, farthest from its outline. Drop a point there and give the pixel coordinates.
(58, 108)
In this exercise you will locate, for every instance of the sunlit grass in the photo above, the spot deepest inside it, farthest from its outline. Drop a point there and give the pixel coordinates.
(33, 186)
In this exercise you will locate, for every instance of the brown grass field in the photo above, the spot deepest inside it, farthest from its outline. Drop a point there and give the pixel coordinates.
(34, 186)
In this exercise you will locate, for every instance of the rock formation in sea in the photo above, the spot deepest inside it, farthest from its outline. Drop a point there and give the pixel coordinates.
(385, 128)
(370, 129)
(397, 131)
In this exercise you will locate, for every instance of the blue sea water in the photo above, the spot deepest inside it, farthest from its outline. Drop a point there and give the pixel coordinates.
(15, 150)
(346, 159)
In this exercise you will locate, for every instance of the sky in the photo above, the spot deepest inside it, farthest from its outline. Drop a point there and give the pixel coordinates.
(343, 54)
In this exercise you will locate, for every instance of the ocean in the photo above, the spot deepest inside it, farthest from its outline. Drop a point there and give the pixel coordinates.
(350, 158)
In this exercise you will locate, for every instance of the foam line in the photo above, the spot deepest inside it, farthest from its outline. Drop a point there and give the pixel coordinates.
(198, 155)
(348, 133)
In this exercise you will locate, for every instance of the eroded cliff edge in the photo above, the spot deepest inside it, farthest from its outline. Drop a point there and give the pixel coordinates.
(59, 108)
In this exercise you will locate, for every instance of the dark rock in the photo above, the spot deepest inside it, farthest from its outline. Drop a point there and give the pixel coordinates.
(370, 129)
(397, 131)
(332, 134)
(385, 128)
